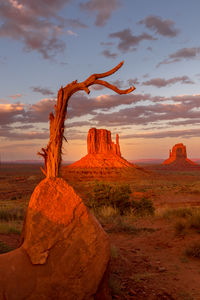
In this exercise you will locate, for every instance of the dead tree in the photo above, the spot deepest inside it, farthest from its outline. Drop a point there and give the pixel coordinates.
(52, 154)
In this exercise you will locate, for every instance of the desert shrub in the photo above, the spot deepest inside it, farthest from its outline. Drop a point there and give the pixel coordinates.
(142, 207)
(106, 213)
(180, 227)
(120, 224)
(193, 250)
(178, 213)
(118, 197)
(194, 221)
(104, 194)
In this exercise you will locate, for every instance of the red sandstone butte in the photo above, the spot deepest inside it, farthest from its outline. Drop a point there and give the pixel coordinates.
(102, 151)
(178, 157)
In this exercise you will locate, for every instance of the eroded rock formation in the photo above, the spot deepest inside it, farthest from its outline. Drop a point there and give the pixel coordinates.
(178, 157)
(102, 151)
(99, 142)
(65, 252)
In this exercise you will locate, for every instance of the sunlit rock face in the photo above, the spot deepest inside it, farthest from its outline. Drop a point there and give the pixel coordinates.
(102, 151)
(178, 157)
(65, 252)
(99, 142)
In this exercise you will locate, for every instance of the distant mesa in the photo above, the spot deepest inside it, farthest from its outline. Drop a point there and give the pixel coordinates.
(102, 151)
(178, 157)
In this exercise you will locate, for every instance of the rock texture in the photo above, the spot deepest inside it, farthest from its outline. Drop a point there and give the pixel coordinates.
(102, 151)
(65, 252)
(178, 157)
(99, 142)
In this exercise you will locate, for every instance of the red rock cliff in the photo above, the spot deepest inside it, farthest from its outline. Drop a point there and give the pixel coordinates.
(99, 142)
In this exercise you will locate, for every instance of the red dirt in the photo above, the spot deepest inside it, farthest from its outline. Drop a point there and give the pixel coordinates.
(150, 265)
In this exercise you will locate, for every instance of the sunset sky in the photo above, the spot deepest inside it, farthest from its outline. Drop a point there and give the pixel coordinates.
(46, 44)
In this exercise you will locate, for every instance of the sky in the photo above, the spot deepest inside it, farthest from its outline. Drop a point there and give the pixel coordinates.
(46, 44)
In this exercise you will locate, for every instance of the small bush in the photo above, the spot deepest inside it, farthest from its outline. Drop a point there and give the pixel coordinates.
(122, 225)
(105, 194)
(178, 213)
(180, 227)
(194, 222)
(143, 207)
(193, 250)
(118, 197)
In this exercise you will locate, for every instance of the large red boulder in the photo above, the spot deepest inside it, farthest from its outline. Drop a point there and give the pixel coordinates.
(65, 252)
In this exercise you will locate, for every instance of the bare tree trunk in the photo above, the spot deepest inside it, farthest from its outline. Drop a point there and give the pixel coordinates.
(52, 154)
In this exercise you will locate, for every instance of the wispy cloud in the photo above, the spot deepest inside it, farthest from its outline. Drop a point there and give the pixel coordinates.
(128, 41)
(15, 96)
(102, 8)
(43, 91)
(37, 26)
(162, 27)
(107, 53)
(70, 32)
(161, 82)
(187, 133)
(182, 54)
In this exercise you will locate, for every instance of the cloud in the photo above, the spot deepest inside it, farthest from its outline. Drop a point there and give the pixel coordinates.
(103, 8)
(15, 96)
(70, 32)
(75, 23)
(162, 27)
(38, 26)
(181, 54)
(108, 54)
(128, 41)
(149, 114)
(10, 113)
(82, 105)
(43, 91)
(39, 112)
(161, 82)
(187, 133)
(106, 44)
(133, 81)
(146, 110)
(10, 133)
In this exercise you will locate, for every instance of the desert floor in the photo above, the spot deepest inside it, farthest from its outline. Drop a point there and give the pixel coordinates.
(149, 254)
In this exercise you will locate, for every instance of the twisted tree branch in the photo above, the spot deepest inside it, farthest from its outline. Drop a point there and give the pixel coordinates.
(52, 154)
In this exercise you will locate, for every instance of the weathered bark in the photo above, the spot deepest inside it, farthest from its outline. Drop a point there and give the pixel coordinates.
(52, 154)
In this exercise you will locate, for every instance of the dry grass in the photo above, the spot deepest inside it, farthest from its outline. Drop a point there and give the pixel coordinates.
(185, 219)
(193, 250)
